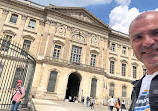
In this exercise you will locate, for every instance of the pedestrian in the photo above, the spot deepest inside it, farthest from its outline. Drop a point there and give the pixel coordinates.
(18, 95)
(82, 101)
(92, 103)
(123, 107)
(118, 104)
(87, 101)
(111, 103)
(143, 32)
(70, 99)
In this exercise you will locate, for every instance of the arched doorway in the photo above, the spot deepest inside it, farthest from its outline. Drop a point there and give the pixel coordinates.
(73, 86)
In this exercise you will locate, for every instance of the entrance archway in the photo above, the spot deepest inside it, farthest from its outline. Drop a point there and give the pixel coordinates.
(73, 86)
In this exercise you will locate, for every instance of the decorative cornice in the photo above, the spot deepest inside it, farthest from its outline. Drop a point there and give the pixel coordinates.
(5, 11)
(24, 17)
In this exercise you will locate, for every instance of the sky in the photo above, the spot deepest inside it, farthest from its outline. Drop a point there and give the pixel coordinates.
(118, 14)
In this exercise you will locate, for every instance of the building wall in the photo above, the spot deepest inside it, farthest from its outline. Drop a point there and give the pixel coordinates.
(54, 28)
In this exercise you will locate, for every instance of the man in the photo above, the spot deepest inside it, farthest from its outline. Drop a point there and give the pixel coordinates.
(111, 103)
(18, 95)
(143, 33)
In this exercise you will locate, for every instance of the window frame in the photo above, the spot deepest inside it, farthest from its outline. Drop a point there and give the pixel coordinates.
(123, 69)
(13, 18)
(112, 67)
(32, 24)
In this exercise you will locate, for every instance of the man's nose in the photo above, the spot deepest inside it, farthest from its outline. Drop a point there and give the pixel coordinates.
(148, 41)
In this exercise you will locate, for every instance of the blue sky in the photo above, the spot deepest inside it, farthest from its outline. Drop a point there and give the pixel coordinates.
(116, 13)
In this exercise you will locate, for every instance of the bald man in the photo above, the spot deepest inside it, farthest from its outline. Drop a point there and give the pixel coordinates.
(143, 32)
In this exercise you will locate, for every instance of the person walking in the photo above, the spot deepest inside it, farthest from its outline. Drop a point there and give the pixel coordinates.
(123, 107)
(92, 103)
(18, 95)
(82, 101)
(143, 33)
(87, 101)
(111, 103)
(118, 104)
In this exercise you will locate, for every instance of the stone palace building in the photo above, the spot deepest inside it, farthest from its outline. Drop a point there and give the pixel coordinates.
(76, 53)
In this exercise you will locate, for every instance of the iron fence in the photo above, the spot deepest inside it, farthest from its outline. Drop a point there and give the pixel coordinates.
(15, 63)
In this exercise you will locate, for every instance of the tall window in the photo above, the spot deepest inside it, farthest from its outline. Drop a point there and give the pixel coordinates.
(27, 44)
(124, 50)
(93, 59)
(112, 47)
(144, 71)
(111, 90)
(123, 69)
(19, 74)
(93, 88)
(56, 53)
(6, 43)
(13, 18)
(112, 67)
(75, 54)
(32, 24)
(134, 71)
(123, 91)
(52, 81)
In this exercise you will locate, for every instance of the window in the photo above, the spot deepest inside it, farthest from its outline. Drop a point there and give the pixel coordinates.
(123, 69)
(19, 74)
(56, 53)
(93, 88)
(112, 47)
(93, 59)
(111, 90)
(112, 67)
(134, 71)
(124, 50)
(52, 81)
(144, 71)
(6, 43)
(13, 18)
(76, 54)
(123, 91)
(27, 44)
(32, 24)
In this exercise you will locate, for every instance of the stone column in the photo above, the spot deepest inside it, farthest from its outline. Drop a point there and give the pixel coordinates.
(3, 18)
(44, 39)
(67, 45)
(21, 28)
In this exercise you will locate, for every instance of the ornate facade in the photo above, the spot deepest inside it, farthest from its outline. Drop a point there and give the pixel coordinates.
(76, 53)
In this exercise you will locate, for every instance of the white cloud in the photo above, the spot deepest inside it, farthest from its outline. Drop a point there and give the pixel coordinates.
(156, 9)
(123, 2)
(121, 17)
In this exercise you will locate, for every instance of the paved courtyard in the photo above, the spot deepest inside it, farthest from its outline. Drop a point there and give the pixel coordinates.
(51, 105)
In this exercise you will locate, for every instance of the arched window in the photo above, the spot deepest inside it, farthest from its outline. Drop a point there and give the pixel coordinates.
(123, 91)
(93, 88)
(52, 81)
(19, 75)
(111, 90)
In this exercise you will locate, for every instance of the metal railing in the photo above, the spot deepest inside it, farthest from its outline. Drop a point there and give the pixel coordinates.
(15, 63)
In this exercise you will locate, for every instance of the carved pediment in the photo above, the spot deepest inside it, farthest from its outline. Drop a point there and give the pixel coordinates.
(80, 14)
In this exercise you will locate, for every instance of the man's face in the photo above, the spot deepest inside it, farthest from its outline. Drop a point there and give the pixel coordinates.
(18, 84)
(144, 39)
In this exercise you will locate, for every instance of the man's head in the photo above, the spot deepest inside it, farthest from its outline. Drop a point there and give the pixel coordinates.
(19, 83)
(143, 33)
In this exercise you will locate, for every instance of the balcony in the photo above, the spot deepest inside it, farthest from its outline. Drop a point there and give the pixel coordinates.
(73, 65)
